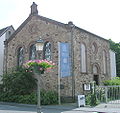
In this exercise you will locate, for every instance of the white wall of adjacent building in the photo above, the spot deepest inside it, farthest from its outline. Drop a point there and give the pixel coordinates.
(112, 63)
(2, 39)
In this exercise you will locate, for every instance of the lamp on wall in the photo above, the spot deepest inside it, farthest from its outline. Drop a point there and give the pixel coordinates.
(39, 45)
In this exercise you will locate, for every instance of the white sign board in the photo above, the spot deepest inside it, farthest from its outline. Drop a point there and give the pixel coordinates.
(87, 87)
(81, 100)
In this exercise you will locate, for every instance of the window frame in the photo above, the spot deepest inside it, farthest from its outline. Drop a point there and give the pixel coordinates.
(30, 51)
(18, 56)
(44, 50)
(85, 52)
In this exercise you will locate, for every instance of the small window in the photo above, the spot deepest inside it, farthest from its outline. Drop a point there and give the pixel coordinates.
(20, 56)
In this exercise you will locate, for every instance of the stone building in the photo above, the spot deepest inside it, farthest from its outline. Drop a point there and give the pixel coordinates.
(80, 56)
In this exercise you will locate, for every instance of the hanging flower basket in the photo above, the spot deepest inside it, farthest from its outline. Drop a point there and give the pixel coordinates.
(39, 66)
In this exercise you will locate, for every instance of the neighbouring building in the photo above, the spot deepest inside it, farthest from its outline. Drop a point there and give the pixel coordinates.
(80, 56)
(112, 64)
(5, 33)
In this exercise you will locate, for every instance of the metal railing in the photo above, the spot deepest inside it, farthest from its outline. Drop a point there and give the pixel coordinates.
(108, 94)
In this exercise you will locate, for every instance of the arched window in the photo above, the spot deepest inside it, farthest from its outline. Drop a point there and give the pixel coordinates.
(20, 56)
(104, 62)
(83, 58)
(47, 51)
(32, 55)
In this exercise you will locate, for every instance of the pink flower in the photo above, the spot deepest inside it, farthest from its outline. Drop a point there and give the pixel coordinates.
(42, 65)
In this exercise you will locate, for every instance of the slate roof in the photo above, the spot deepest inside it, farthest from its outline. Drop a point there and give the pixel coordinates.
(2, 31)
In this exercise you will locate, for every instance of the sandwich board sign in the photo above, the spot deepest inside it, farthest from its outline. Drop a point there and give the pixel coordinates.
(81, 100)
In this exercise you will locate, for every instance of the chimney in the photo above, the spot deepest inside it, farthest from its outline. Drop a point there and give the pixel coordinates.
(34, 10)
(70, 24)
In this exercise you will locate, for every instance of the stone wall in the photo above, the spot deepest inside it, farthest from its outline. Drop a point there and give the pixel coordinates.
(53, 32)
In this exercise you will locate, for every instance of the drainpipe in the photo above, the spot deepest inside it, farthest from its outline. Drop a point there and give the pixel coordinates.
(72, 26)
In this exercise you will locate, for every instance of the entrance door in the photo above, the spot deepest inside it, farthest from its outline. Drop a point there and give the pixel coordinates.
(96, 79)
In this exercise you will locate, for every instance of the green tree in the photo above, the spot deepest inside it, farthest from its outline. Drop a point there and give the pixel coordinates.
(116, 47)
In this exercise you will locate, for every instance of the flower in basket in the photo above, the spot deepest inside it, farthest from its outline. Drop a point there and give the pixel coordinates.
(39, 66)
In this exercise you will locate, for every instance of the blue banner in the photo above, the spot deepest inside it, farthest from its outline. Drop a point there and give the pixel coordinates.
(64, 59)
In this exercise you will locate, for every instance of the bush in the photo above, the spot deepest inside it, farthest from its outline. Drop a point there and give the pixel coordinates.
(20, 86)
(25, 99)
(115, 81)
(19, 82)
(1, 87)
(91, 99)
(47, 98)
(113, 92)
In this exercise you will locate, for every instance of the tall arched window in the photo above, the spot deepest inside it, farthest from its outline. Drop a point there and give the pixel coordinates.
(20, 56)
(32, 55)
(47, 51)
(83, 58)
(104, 62)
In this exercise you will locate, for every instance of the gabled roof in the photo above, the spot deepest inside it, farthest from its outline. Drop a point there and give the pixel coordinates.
(34, 12)
(50, 21)
(2, 31)
(29, 18)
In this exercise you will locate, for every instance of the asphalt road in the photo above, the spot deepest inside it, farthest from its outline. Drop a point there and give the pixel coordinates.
(18, 108)
(31, 109)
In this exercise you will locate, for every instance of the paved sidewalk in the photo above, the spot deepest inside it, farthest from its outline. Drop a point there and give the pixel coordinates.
(72, 108)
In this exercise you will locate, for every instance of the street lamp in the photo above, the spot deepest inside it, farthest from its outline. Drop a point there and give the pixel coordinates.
(39, 47)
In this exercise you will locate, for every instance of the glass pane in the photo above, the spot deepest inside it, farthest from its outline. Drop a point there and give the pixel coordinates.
(83, 58)
(95, 69)
(20, 56)
(47, 51)
(32, 52)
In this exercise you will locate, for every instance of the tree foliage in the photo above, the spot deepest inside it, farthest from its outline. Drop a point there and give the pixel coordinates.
(20, 86)
(19, 82)
(116, 47)
(115, 81)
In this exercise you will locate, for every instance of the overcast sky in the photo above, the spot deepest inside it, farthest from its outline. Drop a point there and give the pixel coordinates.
(101, 17)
